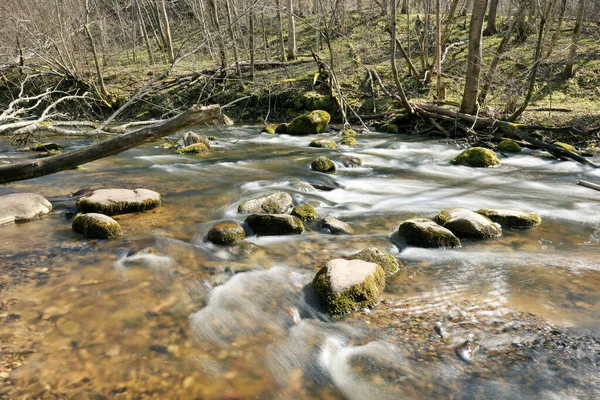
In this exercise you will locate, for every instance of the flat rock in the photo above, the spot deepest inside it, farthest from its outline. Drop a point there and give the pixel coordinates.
(23, 207)
(343, 286)
(467, 224)
(512, 219)
(336, 226)
(423, 232)
(323, 143)
(275, 224)
(275, 203)
(97, 226)
(118, 201)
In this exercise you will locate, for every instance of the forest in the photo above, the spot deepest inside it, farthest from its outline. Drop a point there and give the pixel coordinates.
(303, 199)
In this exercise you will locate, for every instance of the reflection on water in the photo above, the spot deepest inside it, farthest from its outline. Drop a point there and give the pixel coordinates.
(161, 313)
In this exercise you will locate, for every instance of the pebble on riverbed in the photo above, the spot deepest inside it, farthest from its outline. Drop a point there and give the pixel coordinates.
(97, 226)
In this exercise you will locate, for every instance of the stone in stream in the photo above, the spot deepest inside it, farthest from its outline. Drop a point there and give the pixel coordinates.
(275, 203)
(22, 207)
(351, 161)
(511, 219)
(423, 232)
(467, 224)
(336, 227)
(196, 148)
(388, 128)
(323, 143)
(274, 224)
(226, 233)
(323, 164)
(388, 262)
(190, 138)
(509, 146)
(118, 201)
(305, 212)
(302, 186)
(343, 286)
(349, 133)
(96, 226)
(477, 157)
(348, 141)
(268, 128)
(307, 124)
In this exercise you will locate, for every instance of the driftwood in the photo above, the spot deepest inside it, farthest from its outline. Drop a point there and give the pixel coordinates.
(589, 185)
(35, 168)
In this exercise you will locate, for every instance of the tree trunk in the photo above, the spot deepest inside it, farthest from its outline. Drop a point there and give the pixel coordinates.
(167, 32)
(86, 26)
(280, 23)
(438, 51)
(576, 31)
(68, 160)
(236, 57)
(404, 8)
(214, 14)
(251, 41)
(292, 49)
(490, 28)
(144, 32)
(469, 100)
(399, 87)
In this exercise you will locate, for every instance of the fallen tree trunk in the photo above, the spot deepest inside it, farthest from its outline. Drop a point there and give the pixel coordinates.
(589, 185)
(35, 168)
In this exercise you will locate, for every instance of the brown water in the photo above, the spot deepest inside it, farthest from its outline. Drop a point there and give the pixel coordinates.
(86, 319)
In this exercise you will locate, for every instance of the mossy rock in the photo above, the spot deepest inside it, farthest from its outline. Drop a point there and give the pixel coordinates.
(336, 227)
(118, 201)
(197, 148)
(509, 146)
(565, 146)
(96, 226)
(323, 164)
(467, 224)
(343, 286)
(512, 219)
(311, 123)
(212, 138)
(226, 233)
(348, 141)
(274, 224)
(388, 128)
(349, 133)
(323, 143)
(274, 203)
(305, 212)
(477, 157)
(281, 128)
(423, 232)
(388, 262)
(191, 138)
(269, 128)
(226, 120)
(351, 161)
(312, 101)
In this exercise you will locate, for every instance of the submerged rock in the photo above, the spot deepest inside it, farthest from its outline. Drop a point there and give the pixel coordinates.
(190, 138)
(336, 226)
(268, 128)
(323, 164)
(22, 207)
(275, 203)
(466, 223)
(118, 201)
(305, 212)
(311, 123)
(349, 133)
(512, 219)
(96, 226)
(323, 143)
(343, 286)
(509, 146)
(226, 233)
(303, 186)
(351, 161)
(423, 232)
(388, 262)
(348, 141)
(477, 157)
(275, 224)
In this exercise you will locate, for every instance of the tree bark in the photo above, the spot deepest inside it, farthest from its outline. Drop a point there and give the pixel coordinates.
(280, 23)
(399, 87)
(86, 26)
(44, 166)
(167, 27)
(292, 49)
(469, 100)
(576, 31)
(490, 28)
(236, 57)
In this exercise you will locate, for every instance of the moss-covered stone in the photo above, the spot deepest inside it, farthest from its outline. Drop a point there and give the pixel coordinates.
(275, 203)
(467, 224)
(512, 219)
(312, 100)
(565, 146)
(336, 227)
(197, 148)
(323, 164)
(46, 147)
(344, 286)
(477, 157)
(269, 128)
(191, 138)
(281, 128)
(388, 262)
(311, 123)
(323, 143)
(351, 161)
(226, 233)
(388, 128)
(348, 141)
(423, 232)
(274, 224)
(349, 133)
(305, 212)
(212, 138)
(509, 146)
(118, 201)
(96, 226)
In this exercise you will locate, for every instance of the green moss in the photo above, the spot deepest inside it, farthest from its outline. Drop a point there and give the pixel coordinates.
(268, 128)
(95, 228)
(305, 212)
(196, 148)
(323, 164)
(274, 225)
(115, 208)
(311, 123)
(46, 147)
(477, 157)
(423, 232)
(349, 132)
(312, 101)
(281, 128)
(388, 262)
(466, 223)
(271, 206)
(565, 146)
(349, 141)
(388, 128)
(323, 143)
(512, 219)
(509, 146)
(226, 233)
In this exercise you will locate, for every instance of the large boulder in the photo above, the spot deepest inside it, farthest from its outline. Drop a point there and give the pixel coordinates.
(343, 286)
(275, 203)
(388, 262)
(323, 164)
(336, 227)
(477, 157)
(275, 224)
(96, 226)
(323, 143)
(22, 207)
(305, 212)
(308, 124)
(226, 233)
(423, 232)
(467, 224)
(190, 138)
(118, 201)
(512, 219)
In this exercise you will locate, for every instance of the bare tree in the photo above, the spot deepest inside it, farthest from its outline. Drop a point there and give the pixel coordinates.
(292, 49)
(490, 28)
(576, 32)
(167, 31)
(469, 100)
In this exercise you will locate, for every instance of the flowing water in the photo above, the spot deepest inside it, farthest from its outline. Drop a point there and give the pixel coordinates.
(160, 313)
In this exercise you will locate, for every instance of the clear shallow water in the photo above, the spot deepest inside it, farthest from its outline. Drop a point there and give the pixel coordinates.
(80, 318)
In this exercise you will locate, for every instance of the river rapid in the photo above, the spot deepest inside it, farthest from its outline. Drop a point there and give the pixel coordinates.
(161, 313)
